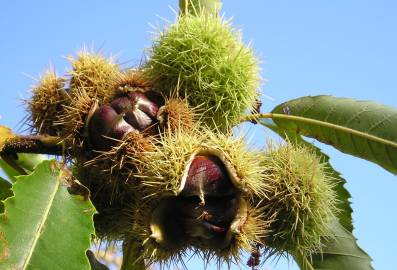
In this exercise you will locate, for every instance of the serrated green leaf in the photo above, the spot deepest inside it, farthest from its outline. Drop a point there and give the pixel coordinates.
(343, 195)
(5, 192)
(342, 252)
(360, 128)
(43, 226)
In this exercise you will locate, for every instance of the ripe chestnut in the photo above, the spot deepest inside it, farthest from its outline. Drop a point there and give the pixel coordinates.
(131, 112)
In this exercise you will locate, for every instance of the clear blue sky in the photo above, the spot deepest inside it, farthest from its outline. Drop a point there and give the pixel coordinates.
(343, 48)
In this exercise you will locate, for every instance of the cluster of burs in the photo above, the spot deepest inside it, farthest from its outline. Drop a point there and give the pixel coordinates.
(154, 146)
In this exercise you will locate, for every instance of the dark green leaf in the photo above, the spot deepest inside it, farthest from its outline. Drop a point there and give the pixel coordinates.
(43, 226)
(342, 252)
(361, 128)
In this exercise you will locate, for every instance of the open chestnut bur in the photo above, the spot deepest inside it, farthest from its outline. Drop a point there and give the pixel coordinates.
(163, 178)
(198, 191)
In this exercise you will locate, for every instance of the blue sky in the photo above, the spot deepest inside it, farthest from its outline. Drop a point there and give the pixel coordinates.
(308, 47)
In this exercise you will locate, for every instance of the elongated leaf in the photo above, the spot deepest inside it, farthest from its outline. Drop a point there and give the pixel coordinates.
(342, 252)
(343, 195)
(361, 128)
(5, 192)
(43, 226)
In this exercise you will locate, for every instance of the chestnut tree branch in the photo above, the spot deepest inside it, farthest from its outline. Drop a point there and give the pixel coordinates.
(253, 118)
(37, 144)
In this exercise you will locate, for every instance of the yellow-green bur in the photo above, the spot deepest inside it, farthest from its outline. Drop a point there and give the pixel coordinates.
(205, 60)
(43, 226)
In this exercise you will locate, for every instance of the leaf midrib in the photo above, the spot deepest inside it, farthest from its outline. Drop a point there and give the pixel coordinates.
(41, 225)
(332, 126)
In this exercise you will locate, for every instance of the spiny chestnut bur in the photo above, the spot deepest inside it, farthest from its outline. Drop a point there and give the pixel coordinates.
(204, 60)
(160, 176)
(207, 192)
(106, 103)
(93, 73)
(105, 119)
(176, 114)
(300, 200)
(48, 97)
(197, 191)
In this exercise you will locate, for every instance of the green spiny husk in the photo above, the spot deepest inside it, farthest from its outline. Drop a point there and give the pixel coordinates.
(141, 227)
(46, 102)
(110, 176)
(174, 243)
(247, 235)
(73, 121)
(176, 114)
(160, 179)
(131, 80)
(203, 58)
(300, 201)
(163, 168)
(110, 200)
(94, 74)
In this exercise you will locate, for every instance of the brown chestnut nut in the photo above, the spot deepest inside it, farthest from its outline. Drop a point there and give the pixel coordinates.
(208, 175)
(138, 110)
(106, 124)
(209, 201)
(109, 123)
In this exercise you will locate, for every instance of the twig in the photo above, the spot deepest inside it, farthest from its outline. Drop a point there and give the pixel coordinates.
(37, 144)
(253, 118)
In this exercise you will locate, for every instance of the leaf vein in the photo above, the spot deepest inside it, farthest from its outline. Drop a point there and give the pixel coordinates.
(41, 225)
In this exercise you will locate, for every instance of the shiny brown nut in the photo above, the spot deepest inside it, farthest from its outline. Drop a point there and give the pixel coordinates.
(207, 175)
(109, 123)
(209, 201)
(106, 124)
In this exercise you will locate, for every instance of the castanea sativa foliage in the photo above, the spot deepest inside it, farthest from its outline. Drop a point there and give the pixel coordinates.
(152, 147)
